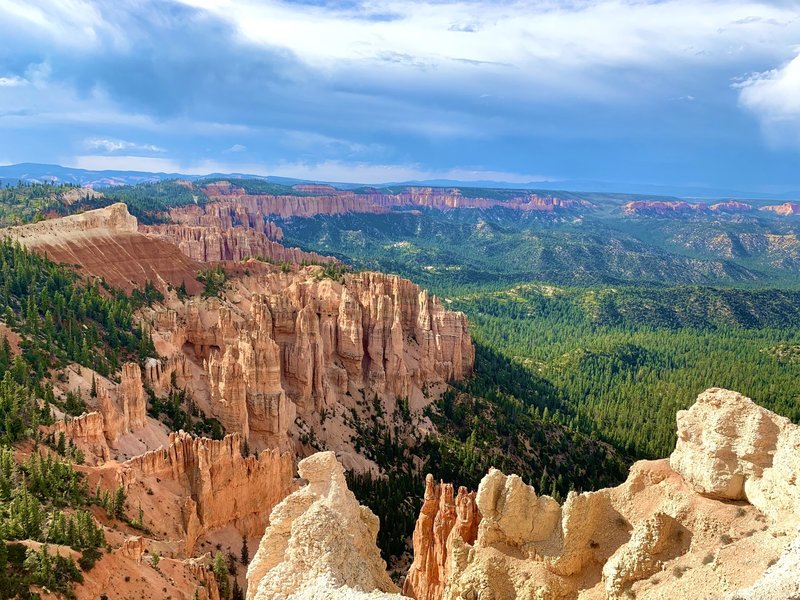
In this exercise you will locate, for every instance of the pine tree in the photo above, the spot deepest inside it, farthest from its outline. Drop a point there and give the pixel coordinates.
(220, 569)
(118, 503)
(245, 554)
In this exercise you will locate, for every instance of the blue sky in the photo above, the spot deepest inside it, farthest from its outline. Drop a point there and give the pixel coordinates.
(670, 92)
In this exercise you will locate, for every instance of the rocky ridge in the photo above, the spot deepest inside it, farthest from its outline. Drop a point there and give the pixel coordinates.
(229, 204)
(279, 346)
(707, 522)
(320, 543)
(106, 243)
(217, 486)
(216, 244)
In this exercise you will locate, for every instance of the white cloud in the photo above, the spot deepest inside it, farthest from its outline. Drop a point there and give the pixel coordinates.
(332, 170)
(539, 42)
(774, 98)
(112, 145)
(74, 23)
(775, 94)
(363, 172)
(236, 148)
(12, 81)
(125, 163)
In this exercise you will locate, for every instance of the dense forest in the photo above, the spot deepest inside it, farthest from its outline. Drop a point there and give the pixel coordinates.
(615, 325)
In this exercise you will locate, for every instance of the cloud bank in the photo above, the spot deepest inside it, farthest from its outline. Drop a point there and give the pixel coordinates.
(662, 91)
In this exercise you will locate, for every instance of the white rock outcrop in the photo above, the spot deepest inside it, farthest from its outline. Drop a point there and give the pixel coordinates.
(709, 523)
(732, 449)
(320, 543)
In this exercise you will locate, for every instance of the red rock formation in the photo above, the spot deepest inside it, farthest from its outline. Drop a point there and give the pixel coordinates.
(441, 519)
(731, 206)
(316, 189)
(124, 407)
(212, 244)
(105, 243)
(300, 344)
(232, 205)
(662, 208)
(87, 432)
(217, 486)
(160, 373)
(786, 209)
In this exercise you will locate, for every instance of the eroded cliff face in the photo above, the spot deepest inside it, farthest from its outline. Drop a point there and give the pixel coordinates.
(220, 243)
(107, 244)
(442, 516)
(231, 205)
(279, 346)
(116, 415)
(88, 433)
(707, 522)
(320, 543)
(204, 485)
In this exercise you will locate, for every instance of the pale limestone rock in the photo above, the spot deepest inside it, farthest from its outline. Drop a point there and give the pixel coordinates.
(780, 582)
(662, 534)
(730, 448)
(319, 534)
(512, 513)
(639, 558)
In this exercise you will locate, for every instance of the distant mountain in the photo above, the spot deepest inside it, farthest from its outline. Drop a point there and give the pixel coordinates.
(34, 172)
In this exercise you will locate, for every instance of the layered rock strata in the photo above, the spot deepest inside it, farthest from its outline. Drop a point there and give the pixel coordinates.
(106, 243)
(320, 543)
(295, 344)
(88, 433)
(219, 243)
(232, 206)
(213, 486)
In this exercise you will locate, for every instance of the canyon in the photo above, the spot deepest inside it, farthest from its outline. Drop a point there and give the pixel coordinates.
(295, 358)
(717, 519)
(232, 204)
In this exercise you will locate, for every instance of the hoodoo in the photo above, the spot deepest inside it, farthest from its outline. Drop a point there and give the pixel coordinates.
(712, 519)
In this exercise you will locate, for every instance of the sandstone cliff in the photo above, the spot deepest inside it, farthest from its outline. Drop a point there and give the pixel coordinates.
(124, 407)
(231, 205)
(285, 345)
(213, 486)
(105, 243)
(786, 209)
(320, 543)
(215, 244)
(708, 522)
(88, 433)
(442, 517)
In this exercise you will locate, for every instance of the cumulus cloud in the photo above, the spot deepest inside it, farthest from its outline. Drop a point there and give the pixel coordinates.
(111, 146)
(773, 95)
(538, 86)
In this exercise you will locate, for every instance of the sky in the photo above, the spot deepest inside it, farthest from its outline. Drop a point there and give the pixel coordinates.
(666, 92)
